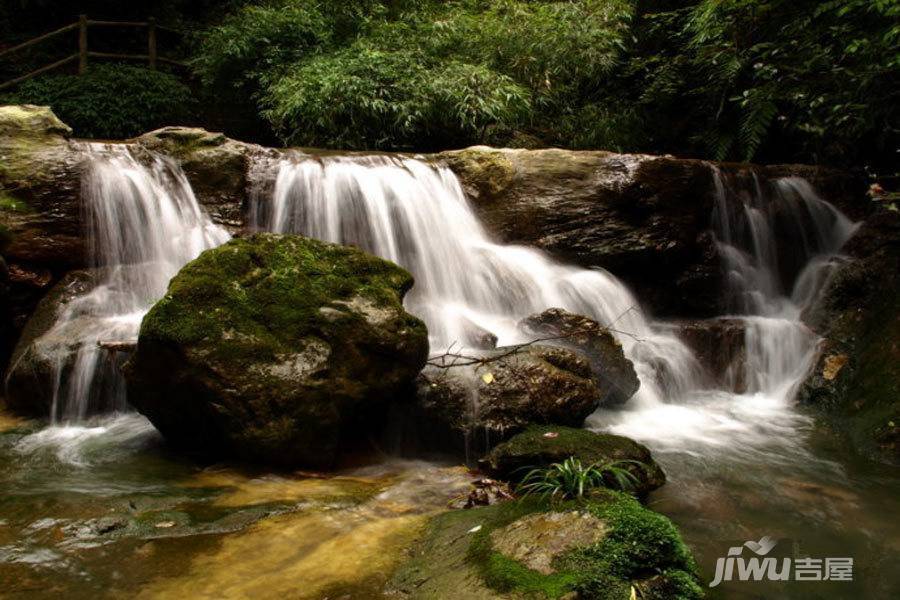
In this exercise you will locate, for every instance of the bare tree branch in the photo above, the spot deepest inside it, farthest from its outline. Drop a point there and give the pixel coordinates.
(449, 358)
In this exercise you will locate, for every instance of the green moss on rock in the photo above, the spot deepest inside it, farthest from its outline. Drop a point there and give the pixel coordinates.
(458, 556)
(275, 348)
(639, 545)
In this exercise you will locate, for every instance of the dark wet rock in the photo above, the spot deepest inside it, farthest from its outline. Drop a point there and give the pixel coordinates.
(613, 374)
(30, 380)
(535, 384)
(720, 347)
(844, 190)
(276, 349)
(543, 445)
(217, 167)
(644, 218)
(856, 380)
(475, 337)
(26, 286)
(7, 327)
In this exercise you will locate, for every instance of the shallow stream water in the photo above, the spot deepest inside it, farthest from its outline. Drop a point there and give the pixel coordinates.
(104, 510)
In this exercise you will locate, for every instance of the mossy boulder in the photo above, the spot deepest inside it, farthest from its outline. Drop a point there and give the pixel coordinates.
(607, 547)
(276, 349)
(543, 445)
(856, 380)
(511, 390)
(613, 374)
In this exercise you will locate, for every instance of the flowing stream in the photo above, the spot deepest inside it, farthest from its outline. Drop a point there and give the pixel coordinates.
(144, 224)
(743, 461)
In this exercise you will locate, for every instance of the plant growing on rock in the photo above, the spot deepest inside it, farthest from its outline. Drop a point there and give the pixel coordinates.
(571, 479)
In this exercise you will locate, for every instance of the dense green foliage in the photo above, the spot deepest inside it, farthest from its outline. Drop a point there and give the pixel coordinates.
(732, 79)
(784, 79)
(110, 101)
(765, 80)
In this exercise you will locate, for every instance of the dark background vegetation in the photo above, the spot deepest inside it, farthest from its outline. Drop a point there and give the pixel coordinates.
(763, 80)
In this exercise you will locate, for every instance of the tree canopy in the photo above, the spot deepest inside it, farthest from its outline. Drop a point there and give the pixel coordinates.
(764, 80)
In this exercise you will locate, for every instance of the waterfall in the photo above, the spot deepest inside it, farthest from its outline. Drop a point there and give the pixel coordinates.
(778, 241)
(144, 224)
(416, 215)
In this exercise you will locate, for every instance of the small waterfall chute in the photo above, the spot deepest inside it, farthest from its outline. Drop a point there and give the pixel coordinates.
(143, 224)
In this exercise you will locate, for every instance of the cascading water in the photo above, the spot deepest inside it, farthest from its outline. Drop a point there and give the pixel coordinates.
(144, 224)
(417, 216)
(778, 242)
(778, 245)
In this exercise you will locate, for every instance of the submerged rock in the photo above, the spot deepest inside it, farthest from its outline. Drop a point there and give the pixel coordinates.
(613, 374)
(276, 349)
(543, 445)
(513, 389)
(856, 380)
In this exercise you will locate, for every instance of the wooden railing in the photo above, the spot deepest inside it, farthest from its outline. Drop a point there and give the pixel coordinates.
(152, 57)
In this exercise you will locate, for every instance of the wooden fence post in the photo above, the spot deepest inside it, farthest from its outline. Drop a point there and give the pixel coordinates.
(151, 41)
(82, 44)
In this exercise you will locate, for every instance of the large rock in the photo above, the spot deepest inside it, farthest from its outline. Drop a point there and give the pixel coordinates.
(40, 189)
(856, 380)
(543, 445)
(613, 374)
(276, 349)
(606, 546)
(513, 389)
(645, 218)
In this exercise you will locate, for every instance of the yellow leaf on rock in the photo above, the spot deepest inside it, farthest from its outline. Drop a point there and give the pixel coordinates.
(487, 377)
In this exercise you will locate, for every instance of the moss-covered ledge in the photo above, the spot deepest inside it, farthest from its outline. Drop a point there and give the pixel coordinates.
(465, 554)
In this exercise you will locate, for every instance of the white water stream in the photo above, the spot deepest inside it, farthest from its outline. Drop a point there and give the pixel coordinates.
(144, 224)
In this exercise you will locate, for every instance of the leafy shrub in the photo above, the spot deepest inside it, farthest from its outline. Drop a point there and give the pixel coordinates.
(363, 97)
(414, 74)
(257, 41)
(110, 101)
(570, 479)
(771, 80)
